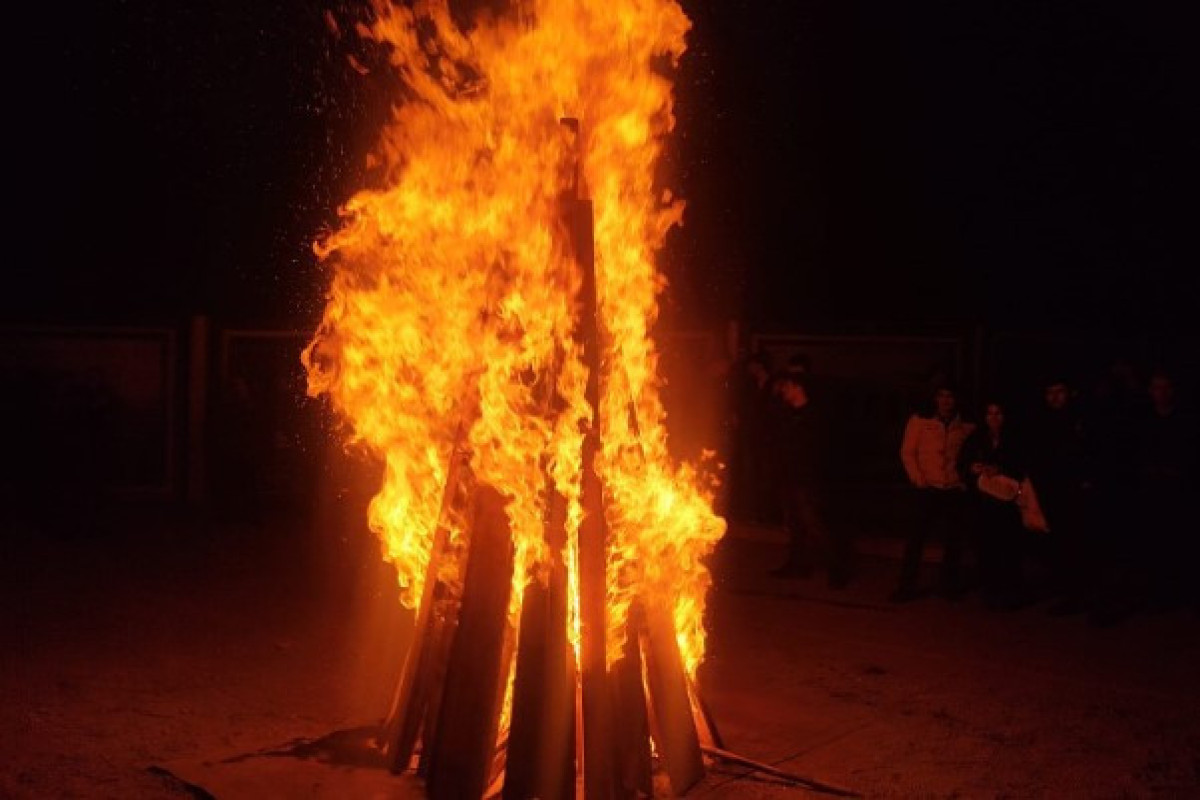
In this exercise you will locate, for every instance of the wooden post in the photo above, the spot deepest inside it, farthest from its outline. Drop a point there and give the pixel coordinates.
(598, 757)
(465, 744)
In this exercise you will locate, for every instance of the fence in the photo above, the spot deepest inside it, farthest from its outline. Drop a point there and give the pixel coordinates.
(139, 411)
(90, 406)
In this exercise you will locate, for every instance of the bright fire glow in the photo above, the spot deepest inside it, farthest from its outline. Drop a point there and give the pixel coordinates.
(454, 296)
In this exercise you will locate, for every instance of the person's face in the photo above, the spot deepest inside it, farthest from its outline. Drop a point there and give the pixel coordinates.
(993, 416)
(794, 394)
(1057, 396)
(758, 372)
(1162, 391)
(945, 403)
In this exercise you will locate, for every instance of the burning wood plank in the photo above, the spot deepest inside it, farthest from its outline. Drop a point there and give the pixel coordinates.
(634, 764)
(671, 718)
(442, 639)
(599, 767)
(541, 742)
(469, 717)
(599, 747)
(416, 681)
(710, 735)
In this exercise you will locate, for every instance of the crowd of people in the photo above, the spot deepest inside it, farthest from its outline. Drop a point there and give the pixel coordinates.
(1084, 500)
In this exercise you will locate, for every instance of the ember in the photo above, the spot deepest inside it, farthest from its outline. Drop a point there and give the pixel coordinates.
(488, 334)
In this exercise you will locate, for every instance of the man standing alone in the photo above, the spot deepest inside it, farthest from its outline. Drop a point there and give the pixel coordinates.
(799, 456)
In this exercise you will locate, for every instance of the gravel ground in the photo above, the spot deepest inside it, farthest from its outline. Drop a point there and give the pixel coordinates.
(166, 639)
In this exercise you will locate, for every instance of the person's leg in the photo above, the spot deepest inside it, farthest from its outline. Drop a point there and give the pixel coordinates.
(770, 483)
(1105, 562)
(1179, 546)
(1185, 525)
(951, 516)
(810, 507)
(1071, 552)
(796, 525)
(753, 497)
(914, 547)
(988, 548)
(1010, 542)
(1057, 559)
(741, 478)
(839, 547)
(1141, 549)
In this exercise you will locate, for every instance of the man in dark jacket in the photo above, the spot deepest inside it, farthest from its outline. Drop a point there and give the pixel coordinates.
(1061, 467)
(753, 480)
(799, 457)
(1166, 460)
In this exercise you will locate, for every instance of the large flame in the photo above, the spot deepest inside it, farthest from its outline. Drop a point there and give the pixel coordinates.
(454, 297)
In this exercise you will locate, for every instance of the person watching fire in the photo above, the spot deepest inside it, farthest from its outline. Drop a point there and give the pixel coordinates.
(800, 452)
(929, 452)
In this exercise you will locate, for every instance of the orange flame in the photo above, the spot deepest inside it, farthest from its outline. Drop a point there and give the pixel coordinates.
(454, 296)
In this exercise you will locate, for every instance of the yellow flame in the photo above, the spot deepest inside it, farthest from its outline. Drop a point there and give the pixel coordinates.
(454, 297)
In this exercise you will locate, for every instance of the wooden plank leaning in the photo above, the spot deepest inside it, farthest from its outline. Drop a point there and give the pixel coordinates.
(671, 718)
(599, 763)
(541, 741)
(411, 700)
(634, 764)
(464, 747)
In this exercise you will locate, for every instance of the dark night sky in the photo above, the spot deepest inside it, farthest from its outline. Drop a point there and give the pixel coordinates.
(845, 162)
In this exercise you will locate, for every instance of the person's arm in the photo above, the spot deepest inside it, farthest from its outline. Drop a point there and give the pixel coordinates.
(970, 459)
(908, 453)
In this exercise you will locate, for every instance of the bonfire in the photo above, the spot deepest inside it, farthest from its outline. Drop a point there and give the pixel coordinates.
(488, 334)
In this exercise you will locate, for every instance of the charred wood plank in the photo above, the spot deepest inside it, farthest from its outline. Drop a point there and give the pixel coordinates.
(634, 766)
(599, 767)
(412, 693)
(541, 742)
(710, 735)
(671, 720)
(441, 641)
(473, 691)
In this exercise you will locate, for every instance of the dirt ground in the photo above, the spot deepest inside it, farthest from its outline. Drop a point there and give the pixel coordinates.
(166, 638)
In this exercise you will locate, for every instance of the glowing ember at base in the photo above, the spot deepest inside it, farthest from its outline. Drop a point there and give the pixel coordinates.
(488, 334)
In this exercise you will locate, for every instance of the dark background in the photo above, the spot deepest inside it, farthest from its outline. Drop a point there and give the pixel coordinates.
(1007, 163)
(868, 182)
(846, 162)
